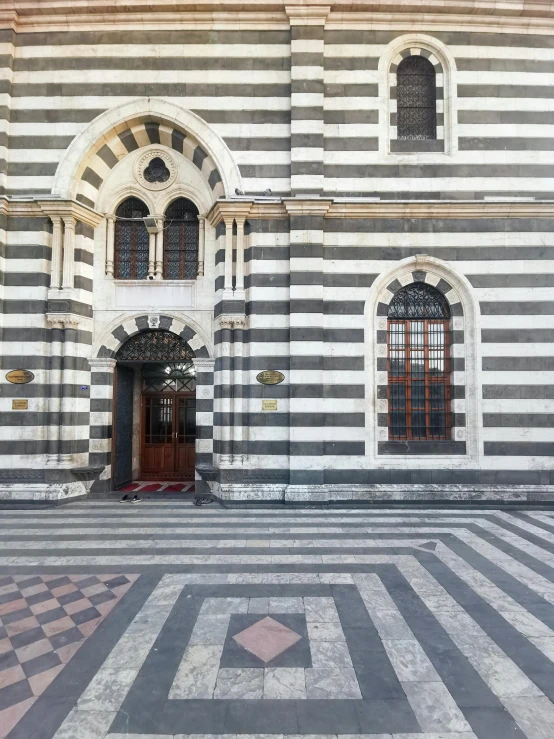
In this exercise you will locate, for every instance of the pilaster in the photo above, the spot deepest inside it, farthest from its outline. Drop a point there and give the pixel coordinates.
(307, 98)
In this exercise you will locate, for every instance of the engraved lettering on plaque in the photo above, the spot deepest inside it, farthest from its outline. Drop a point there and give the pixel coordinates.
(20, 376)
(269, 405)
(20, 405)
(270, 377)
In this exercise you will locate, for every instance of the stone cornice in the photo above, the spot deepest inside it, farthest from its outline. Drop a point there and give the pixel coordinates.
(517, 16)
(384, 209)
(39, 207)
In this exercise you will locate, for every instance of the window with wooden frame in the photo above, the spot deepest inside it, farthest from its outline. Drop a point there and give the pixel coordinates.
(181, 240)
(418, 339)
(131, 241)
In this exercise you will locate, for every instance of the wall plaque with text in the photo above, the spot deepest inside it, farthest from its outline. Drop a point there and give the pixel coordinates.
(270, 377)
(20, 405)
(20, 376)
(269, 405)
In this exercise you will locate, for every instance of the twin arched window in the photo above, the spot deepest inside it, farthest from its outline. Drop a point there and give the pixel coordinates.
(134, 251)
(419, 364)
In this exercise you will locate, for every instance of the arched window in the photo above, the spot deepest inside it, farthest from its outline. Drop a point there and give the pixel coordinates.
(416, 99)
(181, 240)
(131, 241)
(419, 364)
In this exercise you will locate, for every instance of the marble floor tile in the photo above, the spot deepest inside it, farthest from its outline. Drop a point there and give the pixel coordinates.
(332, 684)
(284, 683)
(239, 683)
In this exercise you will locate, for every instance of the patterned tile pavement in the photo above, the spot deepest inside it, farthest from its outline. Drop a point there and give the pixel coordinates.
(409, 623)
(44, 620)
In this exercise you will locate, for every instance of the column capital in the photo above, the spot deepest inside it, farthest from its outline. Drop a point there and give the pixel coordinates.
(63, 320)
(307, 15)
(307, 207)
(228, 211)
(102, 364)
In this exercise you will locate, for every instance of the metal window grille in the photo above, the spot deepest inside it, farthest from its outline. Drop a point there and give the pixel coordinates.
(419, 365)
(155, 346)
(169, 377)
(181, 241)
(416, 99)
(131, 241)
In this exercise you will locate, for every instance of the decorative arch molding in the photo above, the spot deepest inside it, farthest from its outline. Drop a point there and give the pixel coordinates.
(445, 69)
(465, 353)
(117, 333)
(136, 124)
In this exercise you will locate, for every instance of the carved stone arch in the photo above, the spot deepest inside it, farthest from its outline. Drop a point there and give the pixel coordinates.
(119, 131)
(110, 204)
(115, 335)
(445, 68)
(466, 350)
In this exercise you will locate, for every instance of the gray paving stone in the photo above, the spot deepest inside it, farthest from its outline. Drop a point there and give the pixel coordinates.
(332, 683)
(284, 683)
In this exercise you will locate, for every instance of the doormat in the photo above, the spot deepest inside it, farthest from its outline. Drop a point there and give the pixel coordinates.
(158, 487)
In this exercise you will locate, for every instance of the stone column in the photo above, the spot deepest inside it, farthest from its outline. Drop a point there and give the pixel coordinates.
(201, 244)
(307, 98)
(68, 252)
(239, 280)
(228, 281)
(307, 362)
(239, 324)
(55, 382)
(110, 245)
(225, 384)
(159, 268)
(151, 256)
(57, 238)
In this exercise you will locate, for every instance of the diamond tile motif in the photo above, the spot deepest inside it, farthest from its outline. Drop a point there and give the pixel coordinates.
(43, 622)
(267, 639)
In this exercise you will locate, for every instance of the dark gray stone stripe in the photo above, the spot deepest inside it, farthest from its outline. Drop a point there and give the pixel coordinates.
(443, 225)
(519, 448)
(147, 63)
(505, 392)
(505, 91)
(515, 280)
(454, 253)
(152, 89)
(517, 336)
(518, 364)
(505, 143)
(521, 308)
(506, 116)
(525, 420)
(437, 170)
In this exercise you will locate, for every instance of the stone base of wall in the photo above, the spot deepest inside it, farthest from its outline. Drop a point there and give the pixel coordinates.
(298, 494)
(56, 492)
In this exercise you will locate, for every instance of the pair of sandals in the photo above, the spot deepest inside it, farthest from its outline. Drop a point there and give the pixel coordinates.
(127, 499)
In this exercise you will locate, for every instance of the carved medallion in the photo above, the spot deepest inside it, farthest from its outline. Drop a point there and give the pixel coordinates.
(156, 169)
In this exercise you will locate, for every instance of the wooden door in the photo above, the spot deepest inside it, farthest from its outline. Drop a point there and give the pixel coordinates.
(168, 436)
(186, 436)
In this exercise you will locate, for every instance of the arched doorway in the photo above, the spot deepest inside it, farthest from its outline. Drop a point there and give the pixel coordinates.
(155, 409)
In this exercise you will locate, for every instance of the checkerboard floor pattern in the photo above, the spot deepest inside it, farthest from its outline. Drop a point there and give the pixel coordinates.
(44, 620)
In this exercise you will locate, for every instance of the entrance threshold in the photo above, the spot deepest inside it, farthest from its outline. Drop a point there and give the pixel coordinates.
(158, 487)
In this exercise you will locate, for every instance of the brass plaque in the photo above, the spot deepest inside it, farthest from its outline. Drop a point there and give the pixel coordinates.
(19, 376)
(270, 377)
(20, 405)
(269, 405)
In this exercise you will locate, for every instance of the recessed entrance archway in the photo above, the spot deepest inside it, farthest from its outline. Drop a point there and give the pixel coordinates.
(155, 409)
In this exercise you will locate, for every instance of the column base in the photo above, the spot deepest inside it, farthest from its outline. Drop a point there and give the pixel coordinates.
(54, 491)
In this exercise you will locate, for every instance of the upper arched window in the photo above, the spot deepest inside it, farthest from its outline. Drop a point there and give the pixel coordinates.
(416, 99)
(181, 240)
(131, 241)
(419, 364)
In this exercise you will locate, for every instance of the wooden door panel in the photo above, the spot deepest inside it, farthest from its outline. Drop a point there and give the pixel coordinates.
(168, 435)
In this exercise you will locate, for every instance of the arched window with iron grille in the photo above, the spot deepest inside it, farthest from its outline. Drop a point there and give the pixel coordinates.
(419, 364)
(131, 241)
(181, 240)
(416, 99)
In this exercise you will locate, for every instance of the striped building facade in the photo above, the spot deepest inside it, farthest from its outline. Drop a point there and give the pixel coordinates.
(283, 124)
